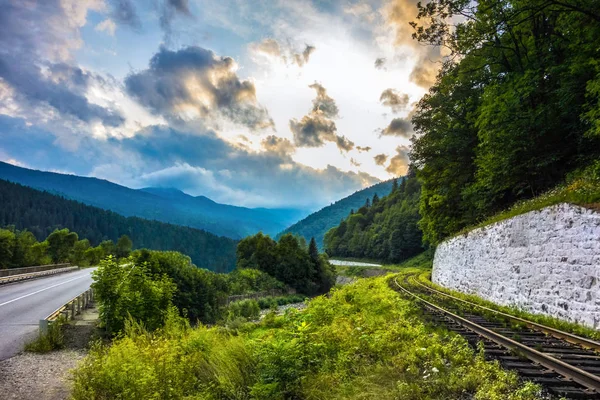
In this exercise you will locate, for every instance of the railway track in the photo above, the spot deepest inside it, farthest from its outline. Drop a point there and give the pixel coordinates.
(566, 365)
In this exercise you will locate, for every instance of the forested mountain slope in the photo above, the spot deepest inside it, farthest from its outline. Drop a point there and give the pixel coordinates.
(166, 205)
(383, 229)
(515, 110)
(318, 223)
(42, 212)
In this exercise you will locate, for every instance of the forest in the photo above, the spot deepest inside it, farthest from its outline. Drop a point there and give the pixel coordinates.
(511, 124)
(152, 285)
(515, 110)
(41, 213)
(382, 229)
(318, 223)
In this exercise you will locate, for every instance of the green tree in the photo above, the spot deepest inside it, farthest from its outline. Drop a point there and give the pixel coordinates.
(313, 251)
(7, 245)
(78, 256)
(23, 255)
(124, 246)
(512, 111)
(127, 291)
(108, 248)
(60, 245)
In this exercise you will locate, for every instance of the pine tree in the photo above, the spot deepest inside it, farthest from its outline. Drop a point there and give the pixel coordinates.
(395, 185)
(313, 251)
(368, 203)
(375, 199)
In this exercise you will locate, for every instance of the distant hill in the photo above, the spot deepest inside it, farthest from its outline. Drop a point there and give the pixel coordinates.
(42, 212)
(318, 223)
(387, 230)
(166, 205)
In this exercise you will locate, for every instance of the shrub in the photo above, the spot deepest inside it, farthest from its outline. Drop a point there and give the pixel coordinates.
(51, 340)
(364, 341)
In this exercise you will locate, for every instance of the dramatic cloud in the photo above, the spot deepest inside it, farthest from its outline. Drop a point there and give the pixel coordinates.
(323, 104)
(380, 159)
(271, 48)
(36, 41)
(281, 146)
(380, 63)
(399, 14)
(313, 131)
(206, 164)
(363, 149)
(398, 165)
(393, 99)
(398, 127)
(316, 128)
(194, 83)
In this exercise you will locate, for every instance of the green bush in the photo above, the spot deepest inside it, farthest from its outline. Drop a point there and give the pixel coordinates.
(126, 291)
(248, 309)
(51, 340)
(364, 341)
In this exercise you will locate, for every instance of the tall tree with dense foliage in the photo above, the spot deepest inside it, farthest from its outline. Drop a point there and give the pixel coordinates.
(124, 246)
(60, 244)
(289, 261)
(514, 109)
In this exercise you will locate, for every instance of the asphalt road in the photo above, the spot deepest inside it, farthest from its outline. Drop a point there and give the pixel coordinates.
(23, 304)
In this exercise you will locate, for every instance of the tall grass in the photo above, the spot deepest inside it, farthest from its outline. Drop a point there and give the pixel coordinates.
(363, 341)
(52, 340)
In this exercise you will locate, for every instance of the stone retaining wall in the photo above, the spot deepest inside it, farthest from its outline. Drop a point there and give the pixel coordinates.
(545, 261)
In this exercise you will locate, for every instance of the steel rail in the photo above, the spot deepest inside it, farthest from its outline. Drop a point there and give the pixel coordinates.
(584, 378)
(569, 337)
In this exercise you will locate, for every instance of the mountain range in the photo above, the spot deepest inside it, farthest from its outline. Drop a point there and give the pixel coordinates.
(161, 204)
(24, 208)
(318, 223)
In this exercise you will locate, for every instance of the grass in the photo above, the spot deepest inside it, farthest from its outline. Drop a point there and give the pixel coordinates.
(362, 341)
(50, 341)
(582, 188)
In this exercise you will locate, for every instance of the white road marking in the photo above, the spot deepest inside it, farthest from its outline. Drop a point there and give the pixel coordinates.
(41, 290)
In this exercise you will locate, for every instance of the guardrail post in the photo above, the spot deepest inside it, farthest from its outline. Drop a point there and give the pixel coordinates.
(43, 326)
(73, 310)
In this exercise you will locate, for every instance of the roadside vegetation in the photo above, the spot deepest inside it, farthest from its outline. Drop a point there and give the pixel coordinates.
(150, 286)
(21, 249)
(52, 340)
(363, 341)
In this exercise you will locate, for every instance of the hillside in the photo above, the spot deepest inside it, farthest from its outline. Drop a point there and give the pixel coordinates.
(385, 230)
(166, 205)
(42, 212)
(318, 223)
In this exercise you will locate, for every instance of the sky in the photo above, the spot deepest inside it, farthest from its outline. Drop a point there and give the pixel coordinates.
(258, 103)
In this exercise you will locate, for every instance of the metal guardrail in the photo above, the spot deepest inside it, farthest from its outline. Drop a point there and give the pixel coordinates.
(29, 270)
(22, 277)
(68, 310)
